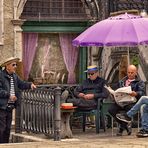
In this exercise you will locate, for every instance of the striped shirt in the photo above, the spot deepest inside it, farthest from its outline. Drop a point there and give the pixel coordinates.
(12, 91)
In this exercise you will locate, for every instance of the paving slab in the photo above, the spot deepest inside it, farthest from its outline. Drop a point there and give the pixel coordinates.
(89, 139)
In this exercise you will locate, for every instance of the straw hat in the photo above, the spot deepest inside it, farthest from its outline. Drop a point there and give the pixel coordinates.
(9, 60)
(92, 68)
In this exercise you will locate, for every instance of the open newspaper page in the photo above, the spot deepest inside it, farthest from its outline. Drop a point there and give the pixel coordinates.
(121, 95)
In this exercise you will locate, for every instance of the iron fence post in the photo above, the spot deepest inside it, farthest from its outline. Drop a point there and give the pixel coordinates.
(146, 87)
(57, 114)
(18, 118)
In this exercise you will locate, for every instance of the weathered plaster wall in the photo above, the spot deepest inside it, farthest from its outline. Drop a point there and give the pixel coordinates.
(12, 31)
(7, 49)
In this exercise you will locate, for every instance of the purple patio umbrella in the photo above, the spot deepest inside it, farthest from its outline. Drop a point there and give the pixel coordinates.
(122, 30)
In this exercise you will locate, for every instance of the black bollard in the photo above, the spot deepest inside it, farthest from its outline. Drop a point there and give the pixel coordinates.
(57, 114)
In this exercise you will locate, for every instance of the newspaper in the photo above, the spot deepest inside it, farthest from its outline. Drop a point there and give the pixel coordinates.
(121, 95)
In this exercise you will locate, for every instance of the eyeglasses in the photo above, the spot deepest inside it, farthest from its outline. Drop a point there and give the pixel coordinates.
(91, 74)
(14, 65)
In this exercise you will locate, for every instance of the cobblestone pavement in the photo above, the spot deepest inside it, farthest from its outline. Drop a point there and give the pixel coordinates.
(89, 139)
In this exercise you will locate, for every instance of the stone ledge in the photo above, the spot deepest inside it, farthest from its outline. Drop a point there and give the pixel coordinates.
(19, 138)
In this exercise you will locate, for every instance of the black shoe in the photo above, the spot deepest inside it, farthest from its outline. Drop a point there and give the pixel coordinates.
(124, 118)
(142, 133)
(129, 129)
(120, 132)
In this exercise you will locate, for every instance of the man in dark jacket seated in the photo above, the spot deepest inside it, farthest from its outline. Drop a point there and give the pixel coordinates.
(138, 90)
(92, 89)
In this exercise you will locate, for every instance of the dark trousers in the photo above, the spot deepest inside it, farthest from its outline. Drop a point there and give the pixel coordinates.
(116, 109)
(5, 125)
(82, 103)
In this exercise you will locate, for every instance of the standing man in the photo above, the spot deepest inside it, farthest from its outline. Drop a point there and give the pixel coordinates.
(138, 90)
(92, 89)
(10, 84)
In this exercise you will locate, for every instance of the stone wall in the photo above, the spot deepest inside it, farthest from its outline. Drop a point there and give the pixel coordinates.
(12, 45)
(7, 49)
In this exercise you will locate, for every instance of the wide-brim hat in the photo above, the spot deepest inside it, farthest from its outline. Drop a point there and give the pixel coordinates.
(9, 60)
(92, 68)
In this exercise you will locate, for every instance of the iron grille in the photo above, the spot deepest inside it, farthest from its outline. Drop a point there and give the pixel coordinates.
(127, 5)
(130, 4)
(37, 109)
(55, 9)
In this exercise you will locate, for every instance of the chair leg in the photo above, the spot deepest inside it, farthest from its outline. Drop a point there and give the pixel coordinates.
(102, 119)
(97, 121)
(112, 125)
(138, 121)
(84, 122)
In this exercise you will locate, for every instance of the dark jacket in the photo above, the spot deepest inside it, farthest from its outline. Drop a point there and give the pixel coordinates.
(137, 85)
(5, 87)
(95, 87)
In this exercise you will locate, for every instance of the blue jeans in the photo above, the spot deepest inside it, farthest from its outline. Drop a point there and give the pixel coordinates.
(143, 101)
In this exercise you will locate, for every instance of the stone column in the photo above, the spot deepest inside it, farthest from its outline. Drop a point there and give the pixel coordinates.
(18, 49)
(104, 9)
(18, 37)
(145, 4)
(18, 7)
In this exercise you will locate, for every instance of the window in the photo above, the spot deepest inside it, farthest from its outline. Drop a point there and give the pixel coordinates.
(1, 23)
(54, 10)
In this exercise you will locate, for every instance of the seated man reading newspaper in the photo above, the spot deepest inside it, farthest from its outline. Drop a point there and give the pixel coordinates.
(122, 95)
(129, 92)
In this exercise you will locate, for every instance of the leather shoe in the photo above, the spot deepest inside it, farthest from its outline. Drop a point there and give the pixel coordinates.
(129, 129)
(120, 132)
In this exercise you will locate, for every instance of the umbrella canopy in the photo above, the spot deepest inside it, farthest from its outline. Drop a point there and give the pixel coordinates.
(121, 30)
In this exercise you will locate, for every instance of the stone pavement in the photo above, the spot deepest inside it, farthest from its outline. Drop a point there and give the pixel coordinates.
(89, 139)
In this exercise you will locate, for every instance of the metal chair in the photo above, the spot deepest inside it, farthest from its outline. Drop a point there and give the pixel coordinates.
(99, 116)
(137, 122)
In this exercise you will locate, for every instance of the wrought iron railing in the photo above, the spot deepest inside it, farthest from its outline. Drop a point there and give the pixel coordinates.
(39, 110)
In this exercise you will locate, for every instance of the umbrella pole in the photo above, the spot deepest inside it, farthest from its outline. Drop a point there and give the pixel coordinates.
(128, 56)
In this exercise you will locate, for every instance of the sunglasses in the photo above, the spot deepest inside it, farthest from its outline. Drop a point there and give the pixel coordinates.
(91, 74)
(14, 65)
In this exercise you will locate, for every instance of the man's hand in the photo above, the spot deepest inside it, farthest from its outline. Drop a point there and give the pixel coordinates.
(13, 98)
(133, 94)
(81, 95)
(33, 86)
(89, 96)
